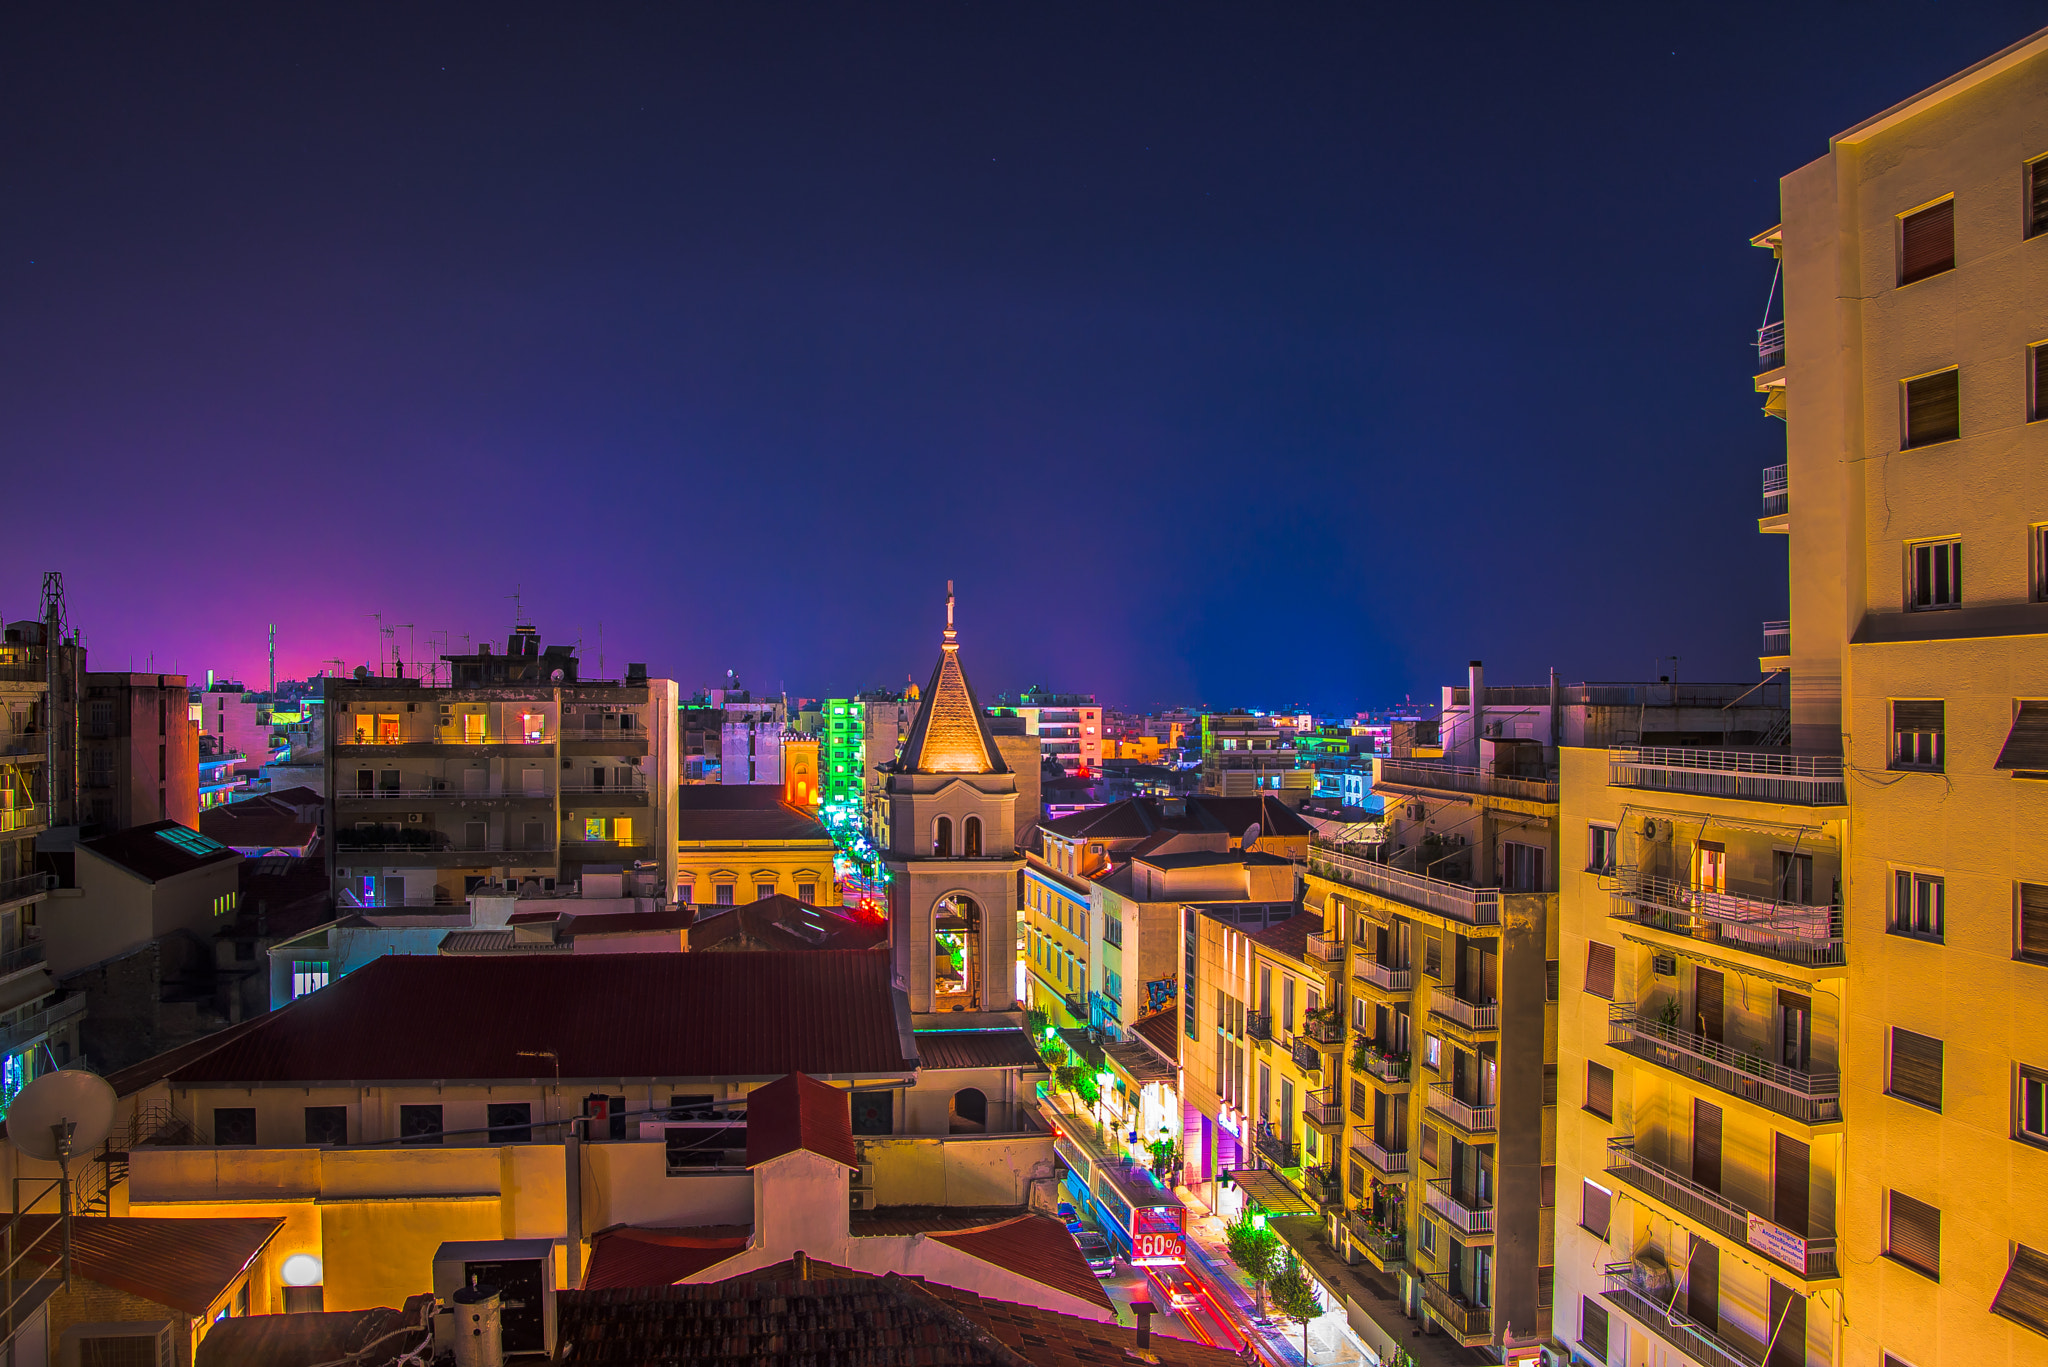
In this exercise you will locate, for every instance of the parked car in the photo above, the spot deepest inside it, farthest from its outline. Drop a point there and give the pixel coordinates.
(1095, 1248)
(1069, 1218)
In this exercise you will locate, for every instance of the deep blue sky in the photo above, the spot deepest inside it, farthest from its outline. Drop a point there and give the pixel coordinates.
(1239, 355)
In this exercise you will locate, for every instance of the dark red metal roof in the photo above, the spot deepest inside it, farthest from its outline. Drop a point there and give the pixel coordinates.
(1036, 1247)
(406, 1017)
(798, 1112)
(659, 1257)
(185, 1264)
(1009, 1048)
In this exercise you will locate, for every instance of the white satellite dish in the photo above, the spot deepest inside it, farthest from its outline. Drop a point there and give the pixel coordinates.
(69, 1097)
(1251, 835)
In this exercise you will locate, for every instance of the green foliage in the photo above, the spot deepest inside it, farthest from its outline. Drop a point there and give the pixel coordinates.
(1069, 1077)
(1087, 1088)
(1165, 1156)
(1669, 1015)
(1035, 1022)
(1255, 1249)
(1292, 1294)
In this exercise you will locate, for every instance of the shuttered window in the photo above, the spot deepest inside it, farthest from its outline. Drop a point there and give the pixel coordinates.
(1429, 1145)
(1916, 1068)
(2033, 927)
(1934, 409)
(2037, 197)
(2026, 745)
(2023, 1296)
(1600, 970)
(1917, 728)
(1703, 1285)
(1595, 1202)
(2033, 1105)
(1927, 242)
(1593, 1328)
(1791, 1175)
(2037, 372)
(1913, 1233)
(1600, 1090)
(1787, 1310)
(1550, 1084)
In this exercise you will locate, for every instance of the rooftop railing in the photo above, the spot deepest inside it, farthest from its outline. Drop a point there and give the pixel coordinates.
(1458, 778)
(1811, 1098)
(1756, 775)
(1473, 906)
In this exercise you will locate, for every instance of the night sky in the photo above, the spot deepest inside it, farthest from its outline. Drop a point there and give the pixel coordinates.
(1247, 355)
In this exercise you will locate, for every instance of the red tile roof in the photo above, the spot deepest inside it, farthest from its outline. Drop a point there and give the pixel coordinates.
(659, 1257)
(1034, 1246)
(185, 1264)
(405, 1017)
(799, 1112)
(1290, 937)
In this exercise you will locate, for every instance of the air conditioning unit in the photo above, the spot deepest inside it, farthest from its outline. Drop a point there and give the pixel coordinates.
(864, 1177)
(860, 1199)
(415, 818)
(1664, 965)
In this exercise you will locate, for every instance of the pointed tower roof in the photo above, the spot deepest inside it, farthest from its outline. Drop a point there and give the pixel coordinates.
(950, 735)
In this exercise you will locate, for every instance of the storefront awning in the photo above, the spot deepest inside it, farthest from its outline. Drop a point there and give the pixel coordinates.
(1271, 1192)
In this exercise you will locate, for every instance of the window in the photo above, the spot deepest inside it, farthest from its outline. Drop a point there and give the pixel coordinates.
(1917, 904)
(2037, 197)
(419, 1124)
(1913, 1233)
(327, 1124)
(1934, 575)
(724, 893)
(1593, 1328)
(1429, 1143)
(511, 1122)
(2037, 537)
(1594, 1203)
(2023, 1295)
(1550, 1084)
(2037, 371)
(1602, 842)
(2033, 1105)
(807, 892)
(1600, 970)
(2033, 924)
(1425, 1236)
(1600, 1090)
(1916, 1069)
(970, 837)
(1432, 1053)
(1550, 980)
(1916, 734)
(1933, 409)
(2025, 752)
(942, 838)
(1927, 242)
(234, 1125)
(308, 975)
(1548, 1193)
(762, 890)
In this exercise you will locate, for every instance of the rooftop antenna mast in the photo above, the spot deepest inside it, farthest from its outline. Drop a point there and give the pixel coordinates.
(518, 607)
(380, 641)
(400, 664)
(273, 659)
(61, 774)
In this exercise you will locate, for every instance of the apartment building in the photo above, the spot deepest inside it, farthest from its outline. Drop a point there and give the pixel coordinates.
(139, 752)
(1068, 727)
(1244, 753)
(237, 719)
(514, 770)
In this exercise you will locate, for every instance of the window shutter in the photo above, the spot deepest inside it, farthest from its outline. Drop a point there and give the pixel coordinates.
(2037, 198)
(1593, 1207)
(1929, 243)
(1703, 1284)
(1789, 1181)
(1918, 716)
(1593, 1328)
(1600, 970)
(1787, 1310)
(1600, 1090)
(2026, 746)
(1913, 1233)
(2023, 1296)
(2039, 356)
(1916, 1068)
(2033, 921)
(1933, 408)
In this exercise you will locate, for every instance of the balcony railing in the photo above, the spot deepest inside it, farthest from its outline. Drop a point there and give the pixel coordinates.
(1472, 1015)
(1259, 1024)
(1455, 1313)
(1758, 775)
(1324, 1186)
(1473, 906)
(1464, 1218)
(1651, 1310)
(1456, 778)
(1810, 936)
(25, 742)
(1777, 638)
(1388, 1246)
(544, 847)
(1770, 346)
(1281, 1153)
(1325, 1029)
(1323, 1108)
(1813, 1258)
(1383, 1064)
(1390, 1163)
(1811, 1098)
(27, 956)
(1325, 949)
(21, 818)
(1306, 1056)
(27, 1031)
(1380, 976)
(28, 885)
(604, 789)
(1473, 1119)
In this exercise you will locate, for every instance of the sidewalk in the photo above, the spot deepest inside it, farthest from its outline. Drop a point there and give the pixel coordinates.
(1209, 1257)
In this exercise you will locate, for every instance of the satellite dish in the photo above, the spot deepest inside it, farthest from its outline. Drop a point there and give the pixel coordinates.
(556, 677)
(1251, 835)
(71, 1097)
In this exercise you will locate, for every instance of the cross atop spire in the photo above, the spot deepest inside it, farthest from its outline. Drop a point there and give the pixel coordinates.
(952, 636)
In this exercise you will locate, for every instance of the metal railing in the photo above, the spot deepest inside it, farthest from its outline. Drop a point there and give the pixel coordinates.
(1459, 778)
(1324, 1029)
(1473, 1119)
(32, 1028)
(28, 885)
(1473, 906)
(545, 847)
(1380, 976)
(1387, 1067)
(1281, 1153)
(633, 789)
(1811, 1098)
(1306, 1056)
(1710, 1208)
(1758, 775)
(1390, 1246)
(1457, 1314)
(1465, 1218)
(367, 738)
(1325, 948)
(1472, 1015)
(1323, 1108)
(1770, 346)
(1258, 1025)
(1390, 1162)
(1789, 931)
(1324, 1186)
(1652, 1310)
(21, 818)
(28, 741)
(1777, 638)
(27, 956)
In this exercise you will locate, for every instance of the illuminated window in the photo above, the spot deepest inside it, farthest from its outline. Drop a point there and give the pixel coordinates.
(308, 975)
(942, 838)
(622, 829)
(593, 828)
(473, 727)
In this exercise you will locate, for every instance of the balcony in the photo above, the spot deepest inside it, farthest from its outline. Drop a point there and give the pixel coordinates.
(23, 818)
(1777, 638)
(1322, 1110)
(1324, 1186)
(29, 741)
(1376, 974)
(1813, 1259)
(635, 793)
(1770, 346)
(1387, 1247)
(28, 1031)
(1786, 931)
(27, 956)
(1475, 1016)
(1754, 775)
(1466, 1219)
(1473, 906)
(1810, 1098)
(1258, 1025)
(1384, 1064)
(1415, 773)
(1280, 1152)
(26, 886)
(1468, 1323)
(1646, 1308)
(1326, 1028)
(1326, 949)
(1467, 1117)
(1393, 1164)
(1306, 1055)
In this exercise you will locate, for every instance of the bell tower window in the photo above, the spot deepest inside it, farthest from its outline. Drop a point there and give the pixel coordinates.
(970, 838)
(956, 954)
(942, 838)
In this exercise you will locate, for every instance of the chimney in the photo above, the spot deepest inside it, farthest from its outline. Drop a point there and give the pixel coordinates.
(1143, 1310)
(1475, 690)
(803, 1265)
